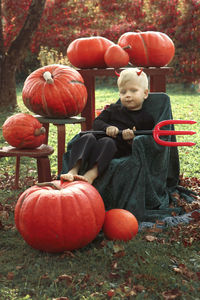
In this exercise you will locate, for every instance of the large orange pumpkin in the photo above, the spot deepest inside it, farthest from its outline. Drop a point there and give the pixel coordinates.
(55, 91)
(120, 224)
(150, 48)
(59, 216)
(23, 131)
(88, 52)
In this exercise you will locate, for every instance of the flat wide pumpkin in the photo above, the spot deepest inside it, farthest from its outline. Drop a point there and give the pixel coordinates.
(88, 52)
(57, 216)
(148, 49)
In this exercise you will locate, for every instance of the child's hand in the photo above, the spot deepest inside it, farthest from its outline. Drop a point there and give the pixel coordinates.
(112, 131)
(128, 134)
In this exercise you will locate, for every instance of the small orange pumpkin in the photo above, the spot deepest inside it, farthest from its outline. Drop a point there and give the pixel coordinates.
(116, 57)
(120, 224)
(23, 131)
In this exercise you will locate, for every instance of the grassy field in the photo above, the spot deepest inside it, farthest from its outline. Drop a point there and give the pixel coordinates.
(156, 264)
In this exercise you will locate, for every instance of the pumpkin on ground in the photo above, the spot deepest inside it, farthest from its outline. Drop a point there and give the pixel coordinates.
(88, 52)
(23, 131)
(116, 57)
(120, 224)
(148, 49)
(55, 91)
(57, 216)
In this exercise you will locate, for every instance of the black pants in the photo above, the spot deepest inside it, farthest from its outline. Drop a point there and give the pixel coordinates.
(91, 151)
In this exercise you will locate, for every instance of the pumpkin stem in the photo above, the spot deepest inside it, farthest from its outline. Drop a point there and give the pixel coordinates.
(48, 77)
(39, 131)
(126, 47)
(49, 183)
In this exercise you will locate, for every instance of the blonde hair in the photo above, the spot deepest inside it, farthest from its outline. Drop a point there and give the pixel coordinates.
(133, 74)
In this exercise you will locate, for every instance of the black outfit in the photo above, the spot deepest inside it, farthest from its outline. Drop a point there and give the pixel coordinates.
(93, 149)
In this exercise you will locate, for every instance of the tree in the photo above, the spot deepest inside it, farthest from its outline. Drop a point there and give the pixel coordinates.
(14, 52)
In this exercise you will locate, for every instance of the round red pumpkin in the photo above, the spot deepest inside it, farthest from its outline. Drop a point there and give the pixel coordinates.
(59, 216)
(148, 49)
(88, 52)
(120, 224)
(55, 91)
(23, 131)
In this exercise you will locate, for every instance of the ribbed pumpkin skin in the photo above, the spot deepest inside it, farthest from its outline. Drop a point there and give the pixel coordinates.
(148, 49)
(120, 224)
(88, 52)
(65, 97)
(57, 220)
(20, 131)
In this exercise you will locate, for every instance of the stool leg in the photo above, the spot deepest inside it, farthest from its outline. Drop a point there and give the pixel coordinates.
(44, 169)
(17, 172)
(61, 145)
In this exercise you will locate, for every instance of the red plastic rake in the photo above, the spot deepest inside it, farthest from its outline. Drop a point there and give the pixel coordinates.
(157, 132)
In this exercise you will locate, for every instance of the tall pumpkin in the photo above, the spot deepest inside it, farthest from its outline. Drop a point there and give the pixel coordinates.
(150, 48)
(55, 91)
(23, 131)
(88, 52)
(59, 216)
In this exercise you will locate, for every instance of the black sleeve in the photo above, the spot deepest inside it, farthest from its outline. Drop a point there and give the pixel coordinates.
(102, 121)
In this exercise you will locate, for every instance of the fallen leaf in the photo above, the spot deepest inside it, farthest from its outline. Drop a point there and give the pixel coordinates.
(110, 293)
(114, 275)
(151, 238)
(10, 276)
(19, 267)
(184, 271)
(61, 298)
(67, 278)
(67, 254)
(117, 248)
(172, 294)
(195, 215)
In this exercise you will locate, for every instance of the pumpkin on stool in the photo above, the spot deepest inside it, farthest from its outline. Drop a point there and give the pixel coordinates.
(55, 91)
(23, 131)
(57, 216)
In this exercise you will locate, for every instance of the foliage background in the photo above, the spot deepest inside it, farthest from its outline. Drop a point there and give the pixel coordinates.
(64, 21)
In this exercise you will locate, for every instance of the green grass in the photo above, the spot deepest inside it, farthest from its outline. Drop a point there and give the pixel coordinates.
(163, 267)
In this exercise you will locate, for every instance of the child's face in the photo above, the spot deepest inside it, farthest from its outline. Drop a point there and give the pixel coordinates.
(132, 95)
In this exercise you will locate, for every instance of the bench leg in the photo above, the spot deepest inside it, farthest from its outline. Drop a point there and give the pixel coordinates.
(44, 169)
(17, 166)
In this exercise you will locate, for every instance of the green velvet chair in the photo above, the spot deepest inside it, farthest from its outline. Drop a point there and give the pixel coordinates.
(144, 182)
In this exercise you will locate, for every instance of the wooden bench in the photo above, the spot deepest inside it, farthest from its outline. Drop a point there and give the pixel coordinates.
(41, 154)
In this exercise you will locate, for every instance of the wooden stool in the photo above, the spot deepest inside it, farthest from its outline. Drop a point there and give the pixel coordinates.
(41, 154)
(61, 132)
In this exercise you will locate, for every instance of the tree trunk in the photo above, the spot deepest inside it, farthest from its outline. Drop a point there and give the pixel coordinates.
(8, 97)
(10, 60)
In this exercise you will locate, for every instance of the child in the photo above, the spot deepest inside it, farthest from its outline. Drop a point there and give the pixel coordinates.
(97, 151)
